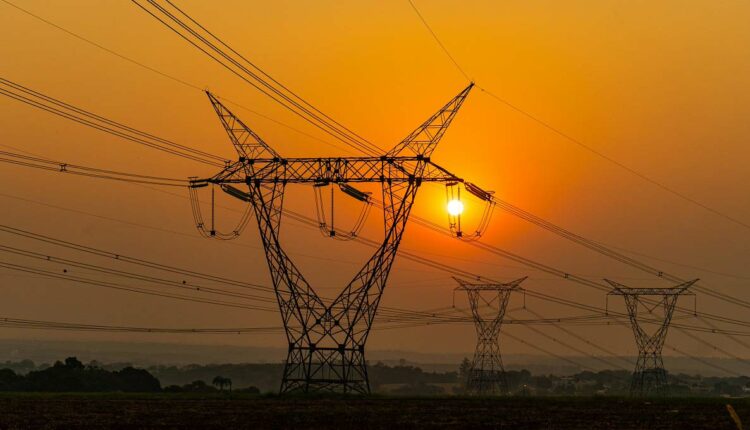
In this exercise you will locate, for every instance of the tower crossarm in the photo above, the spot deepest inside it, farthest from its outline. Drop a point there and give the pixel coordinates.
(622, 290)
(323, 171)
(513, 285)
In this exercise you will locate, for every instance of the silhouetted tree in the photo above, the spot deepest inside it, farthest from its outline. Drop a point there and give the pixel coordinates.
(9, 381)
(221, 382)
(73, 363)
(137, 381)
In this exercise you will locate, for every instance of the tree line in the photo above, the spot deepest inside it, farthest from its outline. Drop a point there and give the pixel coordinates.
(71, 375)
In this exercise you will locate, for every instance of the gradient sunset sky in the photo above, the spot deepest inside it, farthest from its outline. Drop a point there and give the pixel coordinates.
(662, 87)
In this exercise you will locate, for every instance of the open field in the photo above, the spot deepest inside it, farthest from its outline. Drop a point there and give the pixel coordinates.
(50, 411)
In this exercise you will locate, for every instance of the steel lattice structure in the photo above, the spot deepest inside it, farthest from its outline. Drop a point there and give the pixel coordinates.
(487, 374)
(649, 376)
(327, 340)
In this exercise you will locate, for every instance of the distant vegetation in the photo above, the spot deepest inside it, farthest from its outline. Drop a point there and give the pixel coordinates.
(402, 379)
(72, 376)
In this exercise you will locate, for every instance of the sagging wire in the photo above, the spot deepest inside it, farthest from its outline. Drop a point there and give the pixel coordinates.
(455, 208)
(328, 229)
(200, 223)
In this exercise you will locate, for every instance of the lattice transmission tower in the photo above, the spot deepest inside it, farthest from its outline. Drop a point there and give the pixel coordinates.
(649, 376)
(488, 304)
(326, 339)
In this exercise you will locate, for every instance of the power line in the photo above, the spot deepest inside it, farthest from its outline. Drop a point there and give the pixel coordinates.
(428, 323)
(66, 30)
(284, 87)
(185, 285)
(74, 169)
(19, 323)
(115, 286)
(285, 98)
(203, 39)
(430, 263)
(163, 74)
(35, 99)
(129, 259)
(545, 298)
(582, 339)
(578, 142)
(546, 351)
(437, 39)
(140, 225)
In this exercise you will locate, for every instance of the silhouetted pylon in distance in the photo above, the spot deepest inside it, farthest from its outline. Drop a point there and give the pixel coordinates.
(487, 374)
(650, 377)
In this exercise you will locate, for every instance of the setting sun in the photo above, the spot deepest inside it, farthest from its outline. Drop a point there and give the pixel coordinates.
(455, 207)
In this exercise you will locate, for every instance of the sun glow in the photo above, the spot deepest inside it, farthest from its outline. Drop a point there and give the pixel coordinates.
(455, 207)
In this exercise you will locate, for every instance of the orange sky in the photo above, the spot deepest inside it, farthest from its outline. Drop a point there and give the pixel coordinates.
(662, 87)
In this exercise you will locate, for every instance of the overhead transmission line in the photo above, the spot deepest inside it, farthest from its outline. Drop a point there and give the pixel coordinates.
(196, 87)
(130, 260)
(69, 326)
(567, 234)
(147, 179)
(182, 24)
(115, 286)
(57, 107)
(157, 265)
(573, 277)
(193, 86)
(547, 351)
(78, 170)
(433, 318)
(204, 40)
(424, 323)
(504, 205)
(193, 21)
(163, 74)
(29, 161)
(207, 37)
(19, 323)
(184, 285)
(434, 265)
(387, 312)
(582, 339)
(578, 142)
(397, 318)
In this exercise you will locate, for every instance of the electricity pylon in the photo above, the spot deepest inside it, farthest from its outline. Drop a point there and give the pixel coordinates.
(326, 341)
(487, 374)
(649, 376)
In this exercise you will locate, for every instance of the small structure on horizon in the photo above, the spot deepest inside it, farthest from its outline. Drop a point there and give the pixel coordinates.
(649, 376)
(487, 374)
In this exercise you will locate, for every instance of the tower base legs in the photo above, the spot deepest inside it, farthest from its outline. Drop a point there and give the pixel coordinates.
(649, 382)
(311, 369)
(487, 382)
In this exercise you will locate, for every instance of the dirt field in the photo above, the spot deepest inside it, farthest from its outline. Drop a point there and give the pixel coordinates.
(121, 412)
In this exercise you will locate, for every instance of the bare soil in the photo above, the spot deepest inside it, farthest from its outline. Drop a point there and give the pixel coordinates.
(54, 411)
